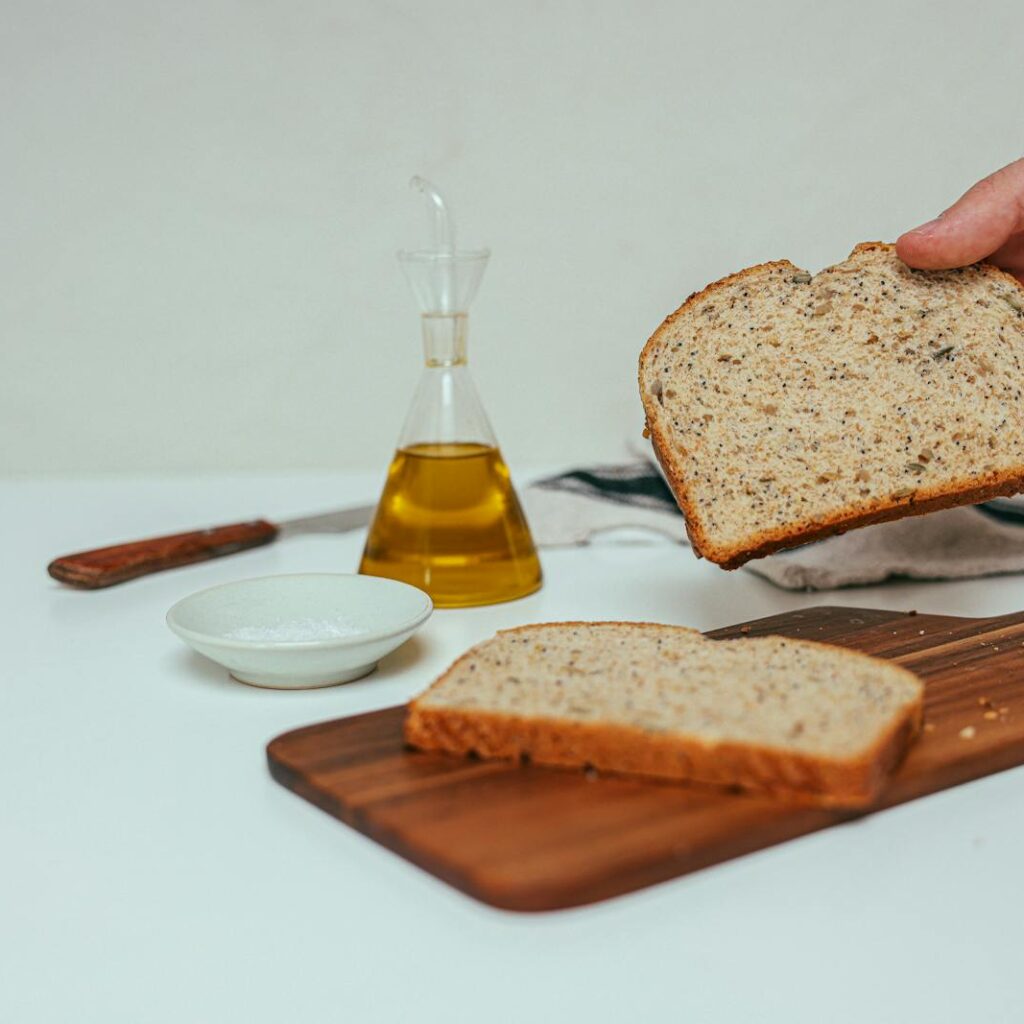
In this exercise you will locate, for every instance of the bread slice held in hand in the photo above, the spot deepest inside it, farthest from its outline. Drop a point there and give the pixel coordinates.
(771, 714)
(785, 406)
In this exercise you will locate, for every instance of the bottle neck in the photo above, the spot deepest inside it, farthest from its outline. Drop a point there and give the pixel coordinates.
(444, 339)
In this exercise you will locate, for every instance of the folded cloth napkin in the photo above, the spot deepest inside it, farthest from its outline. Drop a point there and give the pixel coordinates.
(574, 507)
(980, 540)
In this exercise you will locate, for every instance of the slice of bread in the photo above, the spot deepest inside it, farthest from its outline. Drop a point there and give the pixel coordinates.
(785, 407)
(785, 716)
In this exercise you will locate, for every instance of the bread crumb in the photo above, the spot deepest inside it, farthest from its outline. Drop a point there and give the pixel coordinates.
(967, 732)
(990, 716)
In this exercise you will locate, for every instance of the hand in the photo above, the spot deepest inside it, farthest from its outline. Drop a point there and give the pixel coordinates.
(986, 223)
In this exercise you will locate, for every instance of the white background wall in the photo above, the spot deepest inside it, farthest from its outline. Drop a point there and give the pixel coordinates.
(202, 201)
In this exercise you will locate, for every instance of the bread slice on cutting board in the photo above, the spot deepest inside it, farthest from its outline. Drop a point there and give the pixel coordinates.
(785, 406)
(774, 714)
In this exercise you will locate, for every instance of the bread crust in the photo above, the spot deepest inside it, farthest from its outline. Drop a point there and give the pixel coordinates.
(621, 749)
(968, 491)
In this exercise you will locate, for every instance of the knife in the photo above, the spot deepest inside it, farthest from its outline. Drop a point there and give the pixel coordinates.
(103, 567)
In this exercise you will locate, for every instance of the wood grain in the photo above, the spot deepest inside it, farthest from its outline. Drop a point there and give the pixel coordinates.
(103, 567)
(526, 838)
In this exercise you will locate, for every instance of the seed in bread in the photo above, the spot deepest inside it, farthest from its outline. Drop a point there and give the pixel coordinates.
(785, 407)
(769, 713)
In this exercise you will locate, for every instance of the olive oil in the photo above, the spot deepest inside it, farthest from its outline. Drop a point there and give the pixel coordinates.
(449, 522)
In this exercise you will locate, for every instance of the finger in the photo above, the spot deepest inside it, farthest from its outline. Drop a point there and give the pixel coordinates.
(1011, 257)
(975, 226)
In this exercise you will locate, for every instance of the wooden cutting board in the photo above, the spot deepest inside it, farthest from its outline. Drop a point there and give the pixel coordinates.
(523, 837)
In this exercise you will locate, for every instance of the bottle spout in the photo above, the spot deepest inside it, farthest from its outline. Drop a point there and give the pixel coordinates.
(443, 278)
(443, 227)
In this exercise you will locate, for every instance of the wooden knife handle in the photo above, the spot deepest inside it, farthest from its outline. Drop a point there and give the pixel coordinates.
(103, 567)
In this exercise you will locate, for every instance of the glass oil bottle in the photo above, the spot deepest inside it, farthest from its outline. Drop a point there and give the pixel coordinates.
(448, 520)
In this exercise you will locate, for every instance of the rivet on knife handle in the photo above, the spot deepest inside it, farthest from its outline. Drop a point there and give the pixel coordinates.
(106, 566)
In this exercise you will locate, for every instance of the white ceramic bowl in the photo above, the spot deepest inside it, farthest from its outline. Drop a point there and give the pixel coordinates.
(300, 631)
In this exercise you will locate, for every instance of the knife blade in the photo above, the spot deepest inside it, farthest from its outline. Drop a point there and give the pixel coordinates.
(339, 521)
(117, 563)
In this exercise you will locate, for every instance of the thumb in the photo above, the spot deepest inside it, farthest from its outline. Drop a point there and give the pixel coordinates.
(974, 227)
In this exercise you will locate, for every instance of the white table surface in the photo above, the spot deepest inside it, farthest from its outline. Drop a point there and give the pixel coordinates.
(151, 870)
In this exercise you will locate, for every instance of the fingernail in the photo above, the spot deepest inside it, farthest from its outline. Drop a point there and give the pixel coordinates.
(928, 229)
